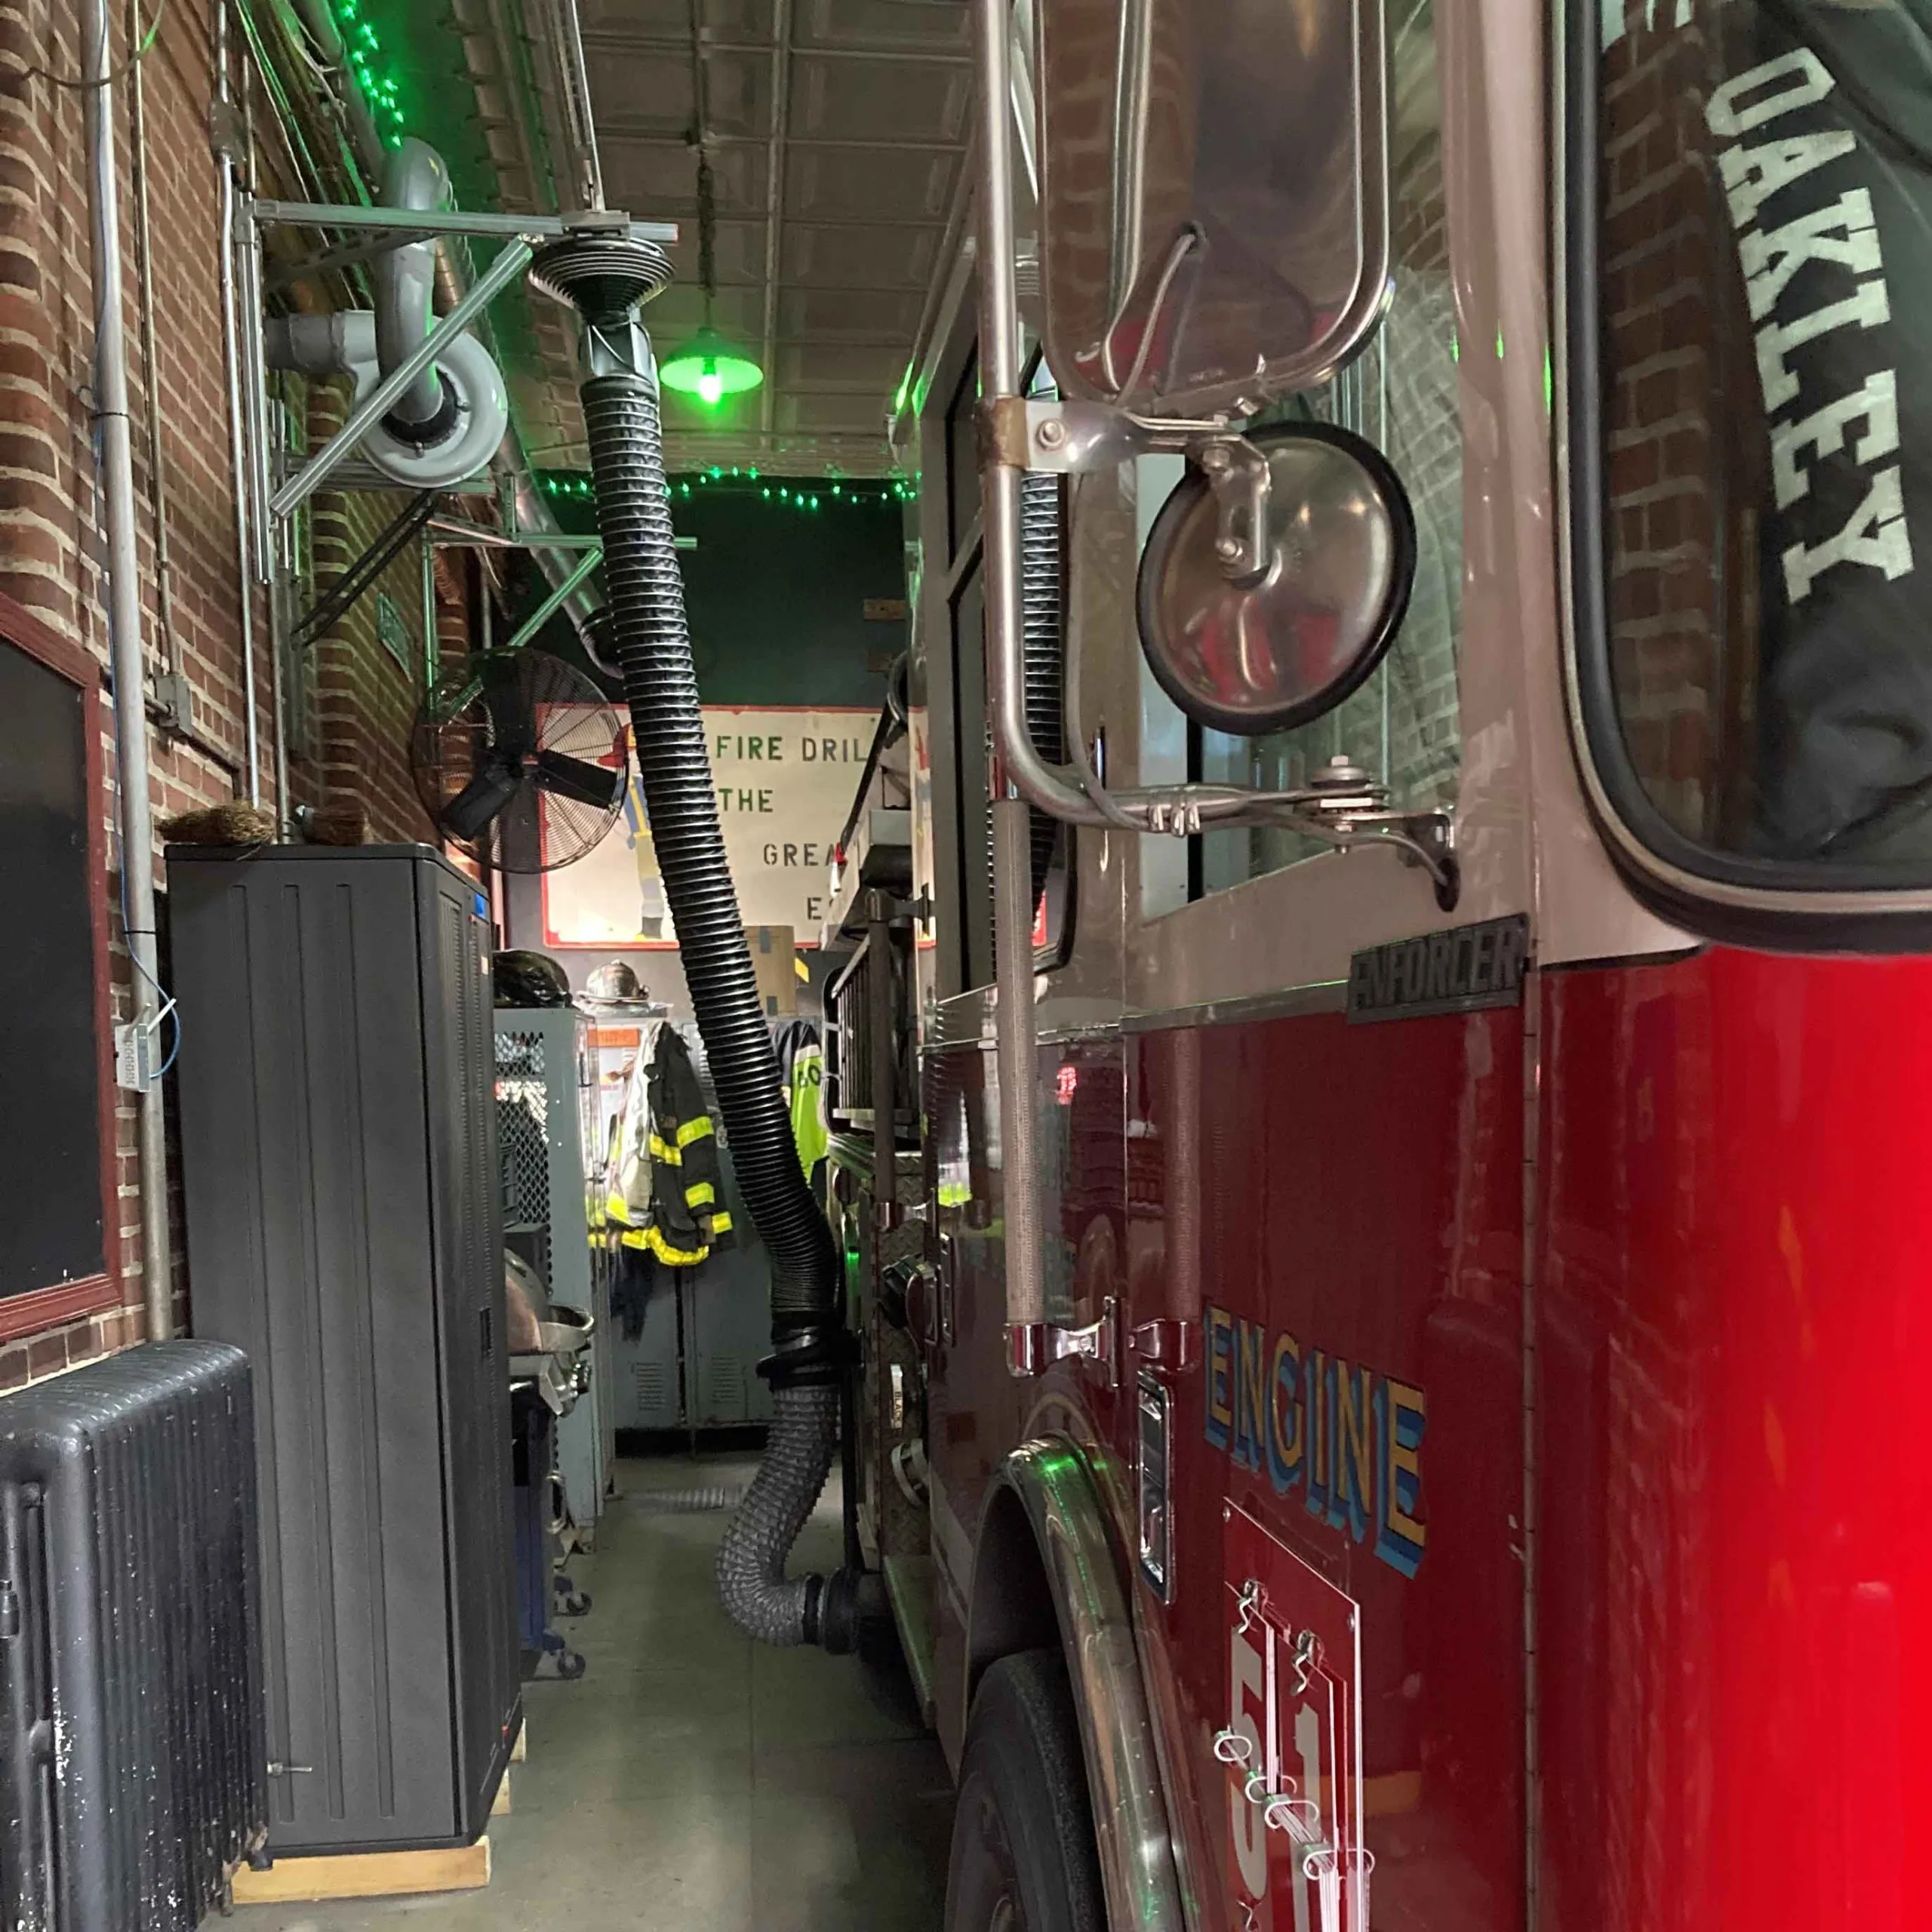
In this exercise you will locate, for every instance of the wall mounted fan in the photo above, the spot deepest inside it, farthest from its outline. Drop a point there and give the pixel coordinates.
(519, 757)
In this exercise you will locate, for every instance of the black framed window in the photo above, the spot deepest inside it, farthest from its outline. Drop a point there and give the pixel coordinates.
(1750, 221)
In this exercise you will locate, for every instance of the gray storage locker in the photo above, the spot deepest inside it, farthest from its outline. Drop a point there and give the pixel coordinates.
(695, 1365)
(339, 1162)
(546, 1117)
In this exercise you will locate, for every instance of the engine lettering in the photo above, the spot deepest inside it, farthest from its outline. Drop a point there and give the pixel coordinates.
(1348, 1436)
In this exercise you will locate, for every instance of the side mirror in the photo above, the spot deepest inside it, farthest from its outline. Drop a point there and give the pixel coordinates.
(1214, 206)
(1267, 650)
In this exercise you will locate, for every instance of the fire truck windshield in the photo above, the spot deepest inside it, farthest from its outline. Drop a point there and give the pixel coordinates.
(1752, 496)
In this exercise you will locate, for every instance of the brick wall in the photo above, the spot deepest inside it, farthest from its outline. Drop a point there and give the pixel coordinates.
(366, 699)
(1665, 247)
(49, 538)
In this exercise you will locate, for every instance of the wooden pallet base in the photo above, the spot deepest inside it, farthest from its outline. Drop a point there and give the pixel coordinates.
(500, 1805)
(368, 1875)
(520, 1750)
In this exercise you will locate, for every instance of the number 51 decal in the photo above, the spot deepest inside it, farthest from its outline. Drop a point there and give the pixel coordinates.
(1292, 1743)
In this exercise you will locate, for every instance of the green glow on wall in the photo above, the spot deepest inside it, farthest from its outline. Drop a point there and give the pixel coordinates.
(362, 48)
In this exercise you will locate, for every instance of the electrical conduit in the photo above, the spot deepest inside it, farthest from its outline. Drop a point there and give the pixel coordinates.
(124, 625)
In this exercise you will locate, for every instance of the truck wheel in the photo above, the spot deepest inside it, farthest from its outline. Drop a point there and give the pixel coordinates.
(1022, 1837)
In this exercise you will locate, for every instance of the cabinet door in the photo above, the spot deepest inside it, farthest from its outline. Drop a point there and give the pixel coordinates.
(305, 1170)
(458, 1028)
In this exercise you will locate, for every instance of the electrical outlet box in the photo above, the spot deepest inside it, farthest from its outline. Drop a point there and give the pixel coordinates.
(174, 698)
(134, 1056)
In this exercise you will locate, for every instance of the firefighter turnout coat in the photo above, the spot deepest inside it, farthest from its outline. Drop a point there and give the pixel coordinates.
(664, 1177)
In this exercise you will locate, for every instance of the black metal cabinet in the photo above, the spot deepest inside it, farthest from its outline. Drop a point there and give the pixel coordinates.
(338, 1160)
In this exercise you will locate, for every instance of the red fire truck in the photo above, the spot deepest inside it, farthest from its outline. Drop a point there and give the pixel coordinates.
(1377, 1158)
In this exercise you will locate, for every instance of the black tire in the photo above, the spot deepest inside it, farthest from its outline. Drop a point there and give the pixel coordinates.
(1023, 1858)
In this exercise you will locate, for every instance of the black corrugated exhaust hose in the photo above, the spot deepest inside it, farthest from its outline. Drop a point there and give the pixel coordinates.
(1042, 632)
(605, 276)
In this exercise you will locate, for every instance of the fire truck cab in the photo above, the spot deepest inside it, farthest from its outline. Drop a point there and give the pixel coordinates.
(1376, 1137)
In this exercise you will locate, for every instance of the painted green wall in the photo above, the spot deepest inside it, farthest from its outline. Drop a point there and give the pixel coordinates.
(775, 595)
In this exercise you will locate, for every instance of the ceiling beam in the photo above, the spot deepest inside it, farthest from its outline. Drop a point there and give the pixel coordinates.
(657, 134)
(624, 43)
(774, 195)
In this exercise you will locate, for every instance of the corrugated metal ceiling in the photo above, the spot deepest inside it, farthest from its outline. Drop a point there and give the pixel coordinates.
(838, 134)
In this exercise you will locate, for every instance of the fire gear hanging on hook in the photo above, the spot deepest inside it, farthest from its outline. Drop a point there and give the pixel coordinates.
(666, 1182)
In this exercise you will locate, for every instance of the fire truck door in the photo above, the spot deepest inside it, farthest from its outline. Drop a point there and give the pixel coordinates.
(1326, 1085)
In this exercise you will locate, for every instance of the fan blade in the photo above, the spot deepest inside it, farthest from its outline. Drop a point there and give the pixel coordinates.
(512, 717)
(594, 785)
(469, 813)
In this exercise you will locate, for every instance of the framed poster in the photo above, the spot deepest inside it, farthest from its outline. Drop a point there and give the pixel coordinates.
(786, 776)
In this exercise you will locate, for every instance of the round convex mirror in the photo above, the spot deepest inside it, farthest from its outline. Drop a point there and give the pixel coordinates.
(1270, 652)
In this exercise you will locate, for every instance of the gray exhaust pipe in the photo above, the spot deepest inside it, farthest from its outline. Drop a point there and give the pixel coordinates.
(450, 422)
(414, 177)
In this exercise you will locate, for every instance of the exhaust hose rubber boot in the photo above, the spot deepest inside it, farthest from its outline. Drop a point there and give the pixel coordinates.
(751, 1582)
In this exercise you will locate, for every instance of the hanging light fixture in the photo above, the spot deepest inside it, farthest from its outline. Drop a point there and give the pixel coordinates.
(707, 368)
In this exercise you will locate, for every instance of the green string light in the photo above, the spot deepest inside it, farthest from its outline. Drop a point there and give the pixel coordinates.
(740, 480)
(363, 49)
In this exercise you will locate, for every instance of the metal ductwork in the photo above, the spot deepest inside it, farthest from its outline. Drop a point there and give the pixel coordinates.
(606, 278)
(414, 177)
(528, 504)
(450, 423)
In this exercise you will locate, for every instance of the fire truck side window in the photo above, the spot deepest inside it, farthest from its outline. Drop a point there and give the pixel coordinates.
(1753, 501)
(1403, 725)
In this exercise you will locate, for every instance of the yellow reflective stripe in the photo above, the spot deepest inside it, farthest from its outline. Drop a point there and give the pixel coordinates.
(634, 1238)
(663, 1150)
(700, 1194)
(617, 1207)
(694, 1130)
(673, 1257)
(721, 1224)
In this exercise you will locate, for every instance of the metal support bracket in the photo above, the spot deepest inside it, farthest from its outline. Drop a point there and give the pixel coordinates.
(1164, 1343)
(555, 601)
(1061, 437)
(1344, 805)
(354, 217)
(348, 590)
(1033, 1347)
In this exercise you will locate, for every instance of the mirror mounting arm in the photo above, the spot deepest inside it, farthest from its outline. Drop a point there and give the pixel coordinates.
(1063, 437)
(1342, 805)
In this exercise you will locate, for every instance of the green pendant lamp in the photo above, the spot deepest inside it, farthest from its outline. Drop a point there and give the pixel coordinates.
(707, 368)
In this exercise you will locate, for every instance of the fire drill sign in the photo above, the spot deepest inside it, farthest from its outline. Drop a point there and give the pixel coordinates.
(785, 780)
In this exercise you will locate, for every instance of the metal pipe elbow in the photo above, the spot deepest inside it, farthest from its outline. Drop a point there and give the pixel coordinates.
(477, 418)
(414, 177)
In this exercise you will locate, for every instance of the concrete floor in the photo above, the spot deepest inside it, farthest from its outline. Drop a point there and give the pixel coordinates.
(691, 1779)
